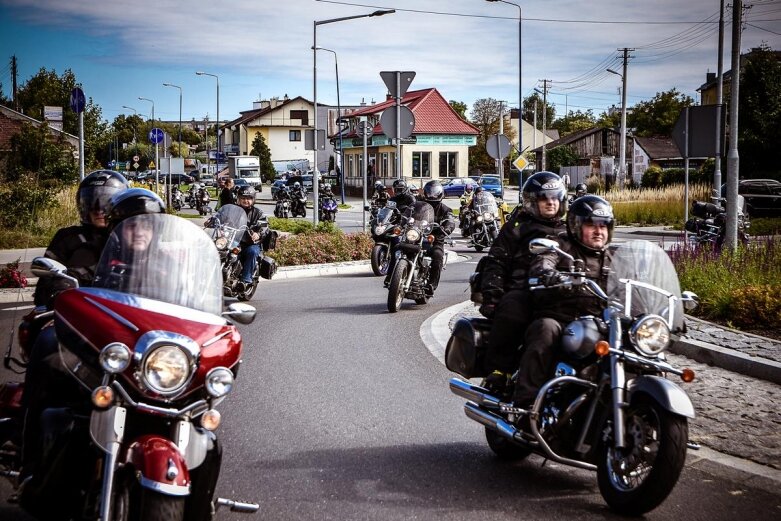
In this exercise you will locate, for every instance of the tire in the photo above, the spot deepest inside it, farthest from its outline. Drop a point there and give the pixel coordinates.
(505, 449)
(159, 507)
(422, 300)
(380, 259)
(396, 290)
(478, 248)
(656, 445)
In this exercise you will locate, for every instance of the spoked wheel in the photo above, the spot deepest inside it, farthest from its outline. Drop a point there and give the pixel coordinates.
(638, 478)
(380, 259)
(396, 288)
(505, 449)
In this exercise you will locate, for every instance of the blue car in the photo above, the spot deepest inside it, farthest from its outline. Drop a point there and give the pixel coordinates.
(455, 187)
(492, 184)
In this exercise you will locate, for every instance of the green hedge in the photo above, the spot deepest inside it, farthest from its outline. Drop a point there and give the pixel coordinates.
(317, 248)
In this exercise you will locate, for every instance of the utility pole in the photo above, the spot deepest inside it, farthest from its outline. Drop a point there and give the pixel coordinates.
(544, 119)
(719, 101)
(501, 131)
(733, 163)
(622, 154)
(14, 72)
(534, 136)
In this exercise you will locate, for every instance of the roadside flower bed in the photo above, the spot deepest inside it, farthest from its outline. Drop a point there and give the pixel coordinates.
(11, 276)
(321, 247)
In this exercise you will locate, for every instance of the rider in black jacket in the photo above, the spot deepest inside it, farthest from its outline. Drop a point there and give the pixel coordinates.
(505, 272)
(433, 193)
(402, 195)
(257, 227)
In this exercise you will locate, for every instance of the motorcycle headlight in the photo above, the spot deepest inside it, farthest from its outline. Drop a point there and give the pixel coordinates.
(650, 335)
(221, 243)
(115, 357)
(380, 229)
(412, 235)
(488, 217)
(219, 381)
(479, 218)
(166, 369)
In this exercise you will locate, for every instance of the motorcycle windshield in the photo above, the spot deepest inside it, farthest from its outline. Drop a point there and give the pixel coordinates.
(645, 262)
(423, 213)
(165, 258)
(386, 214)
(484, 202)
(229, 224)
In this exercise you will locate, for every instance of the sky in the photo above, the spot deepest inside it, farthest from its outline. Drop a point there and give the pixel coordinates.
(467, 49)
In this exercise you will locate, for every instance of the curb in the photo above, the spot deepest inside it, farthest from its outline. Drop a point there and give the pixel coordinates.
(728, 359)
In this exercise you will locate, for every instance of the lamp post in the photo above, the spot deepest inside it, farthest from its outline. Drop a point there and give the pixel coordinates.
(315, 23)
(622, 153)
(338, 125)
(217, 133)
(520, 87)
(157, 152)
(179, 146)
(135, 113)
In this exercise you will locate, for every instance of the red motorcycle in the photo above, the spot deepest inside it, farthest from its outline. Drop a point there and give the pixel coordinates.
(152, 354)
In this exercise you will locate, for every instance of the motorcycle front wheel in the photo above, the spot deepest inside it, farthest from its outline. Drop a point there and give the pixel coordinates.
(638, 478)
(380, 259)
(132, 502)
(396, 288)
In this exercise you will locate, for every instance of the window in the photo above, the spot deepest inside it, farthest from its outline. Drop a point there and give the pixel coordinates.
(351, 165)
(303, 115)
(295, 135)
(421, 164)
(447, 164)
(384, 165)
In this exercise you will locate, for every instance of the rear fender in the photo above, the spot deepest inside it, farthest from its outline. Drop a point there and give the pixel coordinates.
(159, 465)
(664, 392)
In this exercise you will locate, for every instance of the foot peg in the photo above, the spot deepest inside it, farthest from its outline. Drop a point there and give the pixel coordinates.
(509, 408)
(236, 506)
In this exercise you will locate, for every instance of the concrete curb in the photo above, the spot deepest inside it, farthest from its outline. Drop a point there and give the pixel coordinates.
(728, 359)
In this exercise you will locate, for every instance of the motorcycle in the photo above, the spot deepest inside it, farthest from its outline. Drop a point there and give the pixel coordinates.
(298, 203)
(412, 257)
(177, 198)
(482, 222)
(609, 407)
(282, 208)
(383, 233)
(151, 355)
(190, 198)
(202, 200)
(327, 208)
(708, 227)
(227, 229)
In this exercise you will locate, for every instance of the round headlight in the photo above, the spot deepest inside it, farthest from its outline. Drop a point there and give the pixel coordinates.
(479, 218)
(166, 369)
(380, 229)
(650, 335)
(221, 243)
(488, 216)
(115, 357)
(219, 381)
(413, 235)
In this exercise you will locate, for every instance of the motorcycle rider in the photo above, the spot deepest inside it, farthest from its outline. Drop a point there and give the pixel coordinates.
(297, 194)
(227, 195)
(257, 227)
(402, 195)
(580, 190)
(433, 193)
(380, 195)
(505, 273)
(589, 232)
(466, 201)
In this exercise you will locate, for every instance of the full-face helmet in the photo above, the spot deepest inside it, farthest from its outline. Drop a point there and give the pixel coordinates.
(433, 191)
(131, 202)
(581, 189)
(96, 190)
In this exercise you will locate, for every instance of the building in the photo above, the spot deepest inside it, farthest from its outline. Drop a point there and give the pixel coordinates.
(708, 89)
(11, 124)
(660, 152)
(438, 147)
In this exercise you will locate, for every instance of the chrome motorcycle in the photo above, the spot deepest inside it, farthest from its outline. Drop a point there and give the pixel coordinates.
(482, 221)
(384, 233)
(609, 407)
(708, 226)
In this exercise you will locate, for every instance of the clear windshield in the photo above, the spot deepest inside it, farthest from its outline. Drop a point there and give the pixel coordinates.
(162, 257)
(645, 262)
(386, 214)
(484, 202)
(229, 223)
(422, 211)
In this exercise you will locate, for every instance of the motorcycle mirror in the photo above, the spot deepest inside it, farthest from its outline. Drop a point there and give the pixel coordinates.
(537, 246)
(690, 300)
(44, 267)
(241, 313)
(367, 208)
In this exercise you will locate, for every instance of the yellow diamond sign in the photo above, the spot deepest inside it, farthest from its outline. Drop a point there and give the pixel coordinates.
(520, 163)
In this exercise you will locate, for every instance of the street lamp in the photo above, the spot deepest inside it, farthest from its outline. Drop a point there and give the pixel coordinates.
(157, 153)
(315, 23)
(217, 161)
(338, 124)
(179, 146)
(622, 154)
(135, 113)
(520, 87)
(544, 93)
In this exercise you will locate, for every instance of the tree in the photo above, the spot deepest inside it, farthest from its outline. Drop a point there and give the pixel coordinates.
(485, 116)
(610, 119)
(657, 116)
(574, 121)
(260, 149)
(528, 111)
(563, 155)
(459, 106)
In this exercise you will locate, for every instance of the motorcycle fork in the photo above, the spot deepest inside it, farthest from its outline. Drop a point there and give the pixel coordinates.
(413, 271)
(617, 383)
(107, 429)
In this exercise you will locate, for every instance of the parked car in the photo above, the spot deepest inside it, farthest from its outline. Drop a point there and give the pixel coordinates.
(177, 179)
(455, 187)
(762, 196)
(492, 184)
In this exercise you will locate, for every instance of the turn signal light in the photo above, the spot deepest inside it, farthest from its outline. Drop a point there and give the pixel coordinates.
(102, 397)
(210, 420)
(602, 348)
(236, 251)
(397, 231)
(430, 239)
(687, 375)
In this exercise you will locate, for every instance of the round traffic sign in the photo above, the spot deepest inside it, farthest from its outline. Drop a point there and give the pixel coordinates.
(135, 159)
(364, 128)
(406, 122)
(497, 146)
(78, 101)
(156, 135)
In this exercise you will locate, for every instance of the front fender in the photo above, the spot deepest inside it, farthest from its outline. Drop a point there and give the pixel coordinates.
(159, 465)
(664, 392)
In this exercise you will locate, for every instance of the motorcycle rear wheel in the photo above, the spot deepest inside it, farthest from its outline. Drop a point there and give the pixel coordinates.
(639, 478)
(396, 288)
(505, 449)
(380, 259)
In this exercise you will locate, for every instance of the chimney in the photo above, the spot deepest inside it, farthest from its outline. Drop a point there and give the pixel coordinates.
(373, 102)
(388, 96)
(363, 102)
(709, 77)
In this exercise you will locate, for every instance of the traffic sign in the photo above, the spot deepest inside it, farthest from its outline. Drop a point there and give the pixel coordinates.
(520, 163)
(78, 101)
(135, 166)
(497, 146)
(405, 78)
(135, 159)
(406, 122)
(364, 128)
(702, 132)
(156, 135)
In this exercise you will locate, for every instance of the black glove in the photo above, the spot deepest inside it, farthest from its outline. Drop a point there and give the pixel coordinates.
(551, 278)
(488, 310)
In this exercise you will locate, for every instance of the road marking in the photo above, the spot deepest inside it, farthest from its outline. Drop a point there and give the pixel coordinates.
(19, 308)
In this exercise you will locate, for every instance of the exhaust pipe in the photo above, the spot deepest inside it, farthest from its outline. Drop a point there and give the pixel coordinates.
(473, 393)
(492, 421)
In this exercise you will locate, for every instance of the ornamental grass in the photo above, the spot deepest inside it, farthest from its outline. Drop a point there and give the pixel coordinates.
(653, 206)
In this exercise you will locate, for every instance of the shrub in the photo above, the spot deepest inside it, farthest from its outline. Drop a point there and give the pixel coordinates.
(595, 184)
(11, 277)
(317, 248)
(652, 177)
(301, 226)
(756, 305)
(652, 206)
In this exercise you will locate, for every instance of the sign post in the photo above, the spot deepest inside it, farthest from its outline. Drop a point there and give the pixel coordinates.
(78, 102)
(398, 82)
(156, 135)
(365, 131)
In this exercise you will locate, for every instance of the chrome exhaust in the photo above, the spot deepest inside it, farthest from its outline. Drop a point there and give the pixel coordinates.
(492, 421)
(473, 393)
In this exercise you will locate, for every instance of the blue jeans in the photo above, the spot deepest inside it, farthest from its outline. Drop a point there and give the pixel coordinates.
(249, 259)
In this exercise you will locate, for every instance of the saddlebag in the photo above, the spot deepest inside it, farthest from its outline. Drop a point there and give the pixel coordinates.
(268, 267)
(467, 346)
(269, 241)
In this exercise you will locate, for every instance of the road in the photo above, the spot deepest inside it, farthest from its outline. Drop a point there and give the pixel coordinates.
(340, 412)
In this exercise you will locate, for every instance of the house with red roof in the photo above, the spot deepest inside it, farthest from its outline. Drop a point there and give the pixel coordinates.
(437, 149)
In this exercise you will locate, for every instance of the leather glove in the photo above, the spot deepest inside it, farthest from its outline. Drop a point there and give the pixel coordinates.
(551, 278)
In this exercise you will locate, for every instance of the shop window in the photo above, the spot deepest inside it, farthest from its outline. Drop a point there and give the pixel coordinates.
(447, 164)
(421, 164)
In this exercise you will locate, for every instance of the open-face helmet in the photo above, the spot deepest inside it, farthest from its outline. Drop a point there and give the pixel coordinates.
(131, 202)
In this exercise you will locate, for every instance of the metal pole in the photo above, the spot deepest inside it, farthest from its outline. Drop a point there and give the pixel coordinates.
(686, 166)
(398, 125)
(733, 159)
(544, 119)
(340, 166)
(520, 97)
(622, 153)
(501, 131)
(81, 145)
(719, 102)
(315, 188)
(365, 166)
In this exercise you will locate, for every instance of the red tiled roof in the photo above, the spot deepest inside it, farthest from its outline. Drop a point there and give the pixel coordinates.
(433, 114)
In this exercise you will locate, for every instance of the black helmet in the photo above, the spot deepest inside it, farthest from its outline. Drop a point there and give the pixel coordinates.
(379, 186)
(589, 208)
(96, 190)
(581, 189)
(478, 189)
(543, 184)
(246, 191)
(433, 191)
(133, 201)
(399, 186)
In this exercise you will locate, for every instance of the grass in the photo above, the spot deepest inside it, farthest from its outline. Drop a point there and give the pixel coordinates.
(653, 206)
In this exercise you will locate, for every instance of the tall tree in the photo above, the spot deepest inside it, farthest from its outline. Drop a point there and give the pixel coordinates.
(485, 116)
(610, 118)
(459, 106)
(260, 149)
(528, 111)
(657, 116)
(574, 121)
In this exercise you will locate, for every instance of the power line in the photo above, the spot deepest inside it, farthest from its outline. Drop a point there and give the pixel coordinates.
(762, 29)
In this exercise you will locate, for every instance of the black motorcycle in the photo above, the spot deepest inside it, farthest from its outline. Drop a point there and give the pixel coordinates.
(327, 208)
(298, 202)
(384, 231)
(177, 198)
(227, 229)
(708, 227)
(202, 200)
(412, 257)
(282, 208)
(482, 221)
